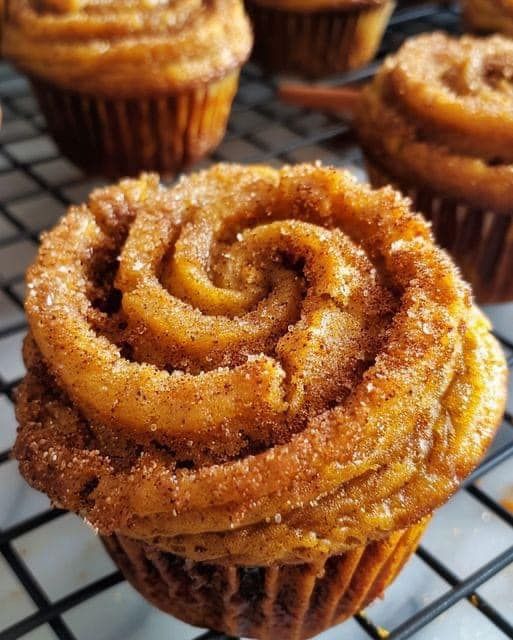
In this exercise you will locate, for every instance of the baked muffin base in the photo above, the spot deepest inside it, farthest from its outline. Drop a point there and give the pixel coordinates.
(118, 137)
(320, 42)
(480, 241)
(290, 602)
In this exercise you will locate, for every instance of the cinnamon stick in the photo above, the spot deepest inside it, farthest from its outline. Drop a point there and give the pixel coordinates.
(342, 100)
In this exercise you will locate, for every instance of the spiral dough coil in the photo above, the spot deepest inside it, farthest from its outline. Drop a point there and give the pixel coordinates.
(254, 366)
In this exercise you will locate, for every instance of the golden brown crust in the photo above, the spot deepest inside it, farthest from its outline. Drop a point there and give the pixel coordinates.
(325, 382)
(124, 48)
(438, 114)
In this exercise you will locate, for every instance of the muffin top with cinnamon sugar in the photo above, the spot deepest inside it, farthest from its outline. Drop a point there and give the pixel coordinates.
(121, 47)
(439, 112)
(253, 366)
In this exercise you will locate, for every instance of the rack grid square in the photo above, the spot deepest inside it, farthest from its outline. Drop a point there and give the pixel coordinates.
(56, 581)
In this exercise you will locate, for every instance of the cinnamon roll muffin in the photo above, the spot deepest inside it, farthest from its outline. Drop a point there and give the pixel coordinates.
(317, 37)
(488, 16)
(437, 122)
(127, 85)
(257, 385)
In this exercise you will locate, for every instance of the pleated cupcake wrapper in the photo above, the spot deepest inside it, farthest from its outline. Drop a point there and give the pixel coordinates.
(116, 137)
(289, 602)
(480, 241)
(317, 43)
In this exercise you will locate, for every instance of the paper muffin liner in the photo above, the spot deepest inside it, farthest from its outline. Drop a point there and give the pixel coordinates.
(317, 43)
(480, 241)
(286, 601)
(117, 137)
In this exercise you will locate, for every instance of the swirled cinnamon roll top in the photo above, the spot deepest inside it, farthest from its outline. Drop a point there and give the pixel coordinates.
(440, 112)
(125, 47)
(254, 366)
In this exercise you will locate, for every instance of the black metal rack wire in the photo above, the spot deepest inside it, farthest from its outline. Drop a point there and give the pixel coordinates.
(261, 129)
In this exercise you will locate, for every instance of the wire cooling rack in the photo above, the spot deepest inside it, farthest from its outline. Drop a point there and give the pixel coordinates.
(55, 579)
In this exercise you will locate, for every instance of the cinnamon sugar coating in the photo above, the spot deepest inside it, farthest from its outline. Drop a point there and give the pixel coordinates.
(255, 366)
(121, 48)
(439, 114)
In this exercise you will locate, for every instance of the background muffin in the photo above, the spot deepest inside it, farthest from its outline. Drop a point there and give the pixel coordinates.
(257, 385)
(317, 37)
(437, 123)
(488, 16)
(131, 85)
